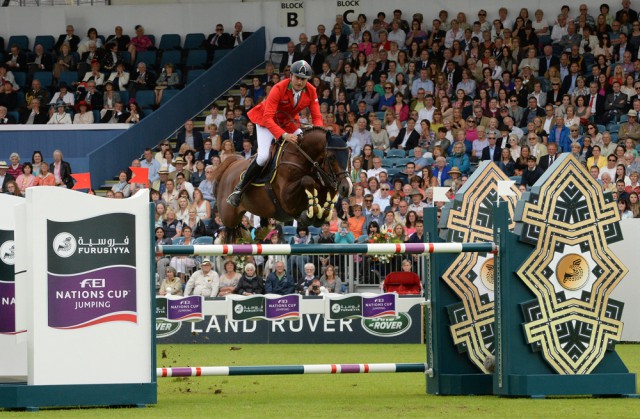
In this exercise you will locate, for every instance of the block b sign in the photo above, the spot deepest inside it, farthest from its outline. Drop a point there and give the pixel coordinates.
(292, 14)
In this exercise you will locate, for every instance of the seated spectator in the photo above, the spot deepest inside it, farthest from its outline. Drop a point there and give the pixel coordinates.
(91, 39)
(95, 75)
(169, 79)
(331, 281)
(119, 38)
(64, 95)
(229, 279)
(45, 178)
(143, 80)
(192, 220)
(344, 235)
(239, 35)
(37, 92)
(33, 115)
(119, 77)
(171, 284)
(69, 38)
(279, 282)
(218, 40)
(115, 116)
(65, 61)
(304, 284)
(4, 118)
(8, 76)
(250, 283)
(8, 97)
(83, 113)
(17, 60)
(441, 170)
(41, 61)
(205, 281)
(134, 113)
(109, 99)
(139, 43)
(532, 173)
(183, 263)
(60, 116)
(122, 185)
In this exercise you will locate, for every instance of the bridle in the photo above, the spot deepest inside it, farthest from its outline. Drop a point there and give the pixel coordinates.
(326, 176)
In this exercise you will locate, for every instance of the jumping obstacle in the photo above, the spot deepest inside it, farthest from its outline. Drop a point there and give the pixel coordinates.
(290, 370)
(323, 249)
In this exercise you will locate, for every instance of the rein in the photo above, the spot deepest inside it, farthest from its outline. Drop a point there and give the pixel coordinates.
(326, 177)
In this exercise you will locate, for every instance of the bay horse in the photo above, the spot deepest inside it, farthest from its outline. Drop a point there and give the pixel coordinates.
(310, 174)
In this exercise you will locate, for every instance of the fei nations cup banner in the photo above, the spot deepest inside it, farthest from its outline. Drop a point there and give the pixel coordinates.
(7, 281)
(91, 271)
(86, 301)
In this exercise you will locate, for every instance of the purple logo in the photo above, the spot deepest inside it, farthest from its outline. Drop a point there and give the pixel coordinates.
(379, 306)
(7, 307)
(185, 309)
(87, 299)
(285, 307)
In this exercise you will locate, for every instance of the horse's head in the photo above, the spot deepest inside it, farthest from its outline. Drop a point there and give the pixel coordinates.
(333, 158)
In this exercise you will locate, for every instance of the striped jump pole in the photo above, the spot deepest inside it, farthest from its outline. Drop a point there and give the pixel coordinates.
(290, 370)
(323, 249)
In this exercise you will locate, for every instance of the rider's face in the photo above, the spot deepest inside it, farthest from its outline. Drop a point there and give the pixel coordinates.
(298, 82)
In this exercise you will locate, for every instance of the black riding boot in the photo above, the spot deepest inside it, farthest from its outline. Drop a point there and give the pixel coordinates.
(252, 171)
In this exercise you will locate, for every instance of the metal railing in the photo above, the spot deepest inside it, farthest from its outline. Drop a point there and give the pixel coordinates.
(358, 272)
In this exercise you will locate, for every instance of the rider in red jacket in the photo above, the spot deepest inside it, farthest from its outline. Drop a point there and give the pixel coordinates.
(277, 117)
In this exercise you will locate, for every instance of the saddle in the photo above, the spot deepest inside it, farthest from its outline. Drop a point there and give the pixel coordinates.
(270, 169)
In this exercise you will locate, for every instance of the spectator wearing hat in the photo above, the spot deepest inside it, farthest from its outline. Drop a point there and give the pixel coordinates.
(416, 199)
(160, 184)
(60, 116)
(531, 175)
(64, 95)
(631, 128)
(83, 113)
(204, 282)
(4, 176)
(179, 164)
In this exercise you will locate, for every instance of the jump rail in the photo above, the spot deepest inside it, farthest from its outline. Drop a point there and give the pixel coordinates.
(323, 249)
(291, 370)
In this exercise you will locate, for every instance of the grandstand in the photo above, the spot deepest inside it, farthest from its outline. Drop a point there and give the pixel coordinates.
(429, 99)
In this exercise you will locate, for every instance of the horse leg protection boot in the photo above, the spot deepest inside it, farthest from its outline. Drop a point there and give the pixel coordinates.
(252, 171)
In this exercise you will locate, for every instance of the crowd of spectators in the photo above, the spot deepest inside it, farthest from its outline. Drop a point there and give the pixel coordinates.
(97, 79)
(420, 104)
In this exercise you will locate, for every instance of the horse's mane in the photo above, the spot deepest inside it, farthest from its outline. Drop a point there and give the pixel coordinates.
(313, 129)
(217, 174)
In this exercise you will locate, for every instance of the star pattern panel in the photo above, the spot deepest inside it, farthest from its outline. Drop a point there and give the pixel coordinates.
(469, 218)
(572, 271)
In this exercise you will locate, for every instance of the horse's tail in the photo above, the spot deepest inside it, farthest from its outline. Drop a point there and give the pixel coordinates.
(217, 174)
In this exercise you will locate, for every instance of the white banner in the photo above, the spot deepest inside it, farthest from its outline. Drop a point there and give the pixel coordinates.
(292, 14)
(349, 9)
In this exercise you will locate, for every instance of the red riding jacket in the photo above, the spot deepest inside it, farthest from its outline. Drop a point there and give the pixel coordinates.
(277, 113)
